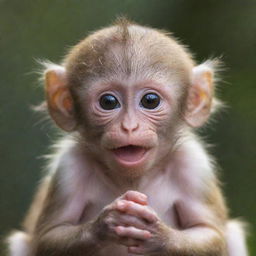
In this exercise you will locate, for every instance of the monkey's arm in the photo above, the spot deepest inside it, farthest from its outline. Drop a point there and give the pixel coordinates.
(66, 239)
(200, 241)
(202, 225)
(57, 229)
(60, 231)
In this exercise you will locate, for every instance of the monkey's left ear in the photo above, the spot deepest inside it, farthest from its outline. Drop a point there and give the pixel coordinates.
(59, 99)
(200, 96)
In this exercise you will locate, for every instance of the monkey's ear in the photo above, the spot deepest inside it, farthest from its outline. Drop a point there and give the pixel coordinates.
(200, 97)
(59, 99)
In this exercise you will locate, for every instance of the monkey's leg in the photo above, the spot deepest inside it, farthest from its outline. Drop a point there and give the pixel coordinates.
(236, 239)
(18, 244)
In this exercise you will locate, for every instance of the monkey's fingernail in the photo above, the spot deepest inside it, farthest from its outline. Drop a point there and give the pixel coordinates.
(143, 197)
(120, 205)
(147, 234)
(119, 230)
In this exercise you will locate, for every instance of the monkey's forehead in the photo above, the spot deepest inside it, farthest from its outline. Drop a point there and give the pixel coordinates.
(128, 50)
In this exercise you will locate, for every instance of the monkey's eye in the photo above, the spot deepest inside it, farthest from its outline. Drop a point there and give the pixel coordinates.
(108, 102)
(150, 101)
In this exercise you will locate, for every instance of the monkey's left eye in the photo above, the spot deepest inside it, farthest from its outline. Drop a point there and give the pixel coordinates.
(150, 101)
(108, 102)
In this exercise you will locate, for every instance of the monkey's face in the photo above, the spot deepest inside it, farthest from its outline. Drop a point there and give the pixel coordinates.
(129, 123)
(129, 95)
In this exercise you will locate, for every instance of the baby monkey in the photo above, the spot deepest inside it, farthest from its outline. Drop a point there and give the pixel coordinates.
(130, 177)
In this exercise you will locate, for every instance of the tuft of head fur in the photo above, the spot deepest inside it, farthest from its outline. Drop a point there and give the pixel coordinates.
(122, 23)
(45, 65)
(216, 65)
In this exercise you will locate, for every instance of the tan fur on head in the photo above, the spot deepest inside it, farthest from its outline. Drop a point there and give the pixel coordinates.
(145, 49)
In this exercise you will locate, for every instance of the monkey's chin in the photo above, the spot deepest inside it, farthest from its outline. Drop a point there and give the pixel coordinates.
(130, 156)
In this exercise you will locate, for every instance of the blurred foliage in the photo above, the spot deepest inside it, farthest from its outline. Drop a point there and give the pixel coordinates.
(33, 29)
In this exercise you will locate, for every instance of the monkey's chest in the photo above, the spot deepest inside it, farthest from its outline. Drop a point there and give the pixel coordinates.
(162, 203)
(160, 200)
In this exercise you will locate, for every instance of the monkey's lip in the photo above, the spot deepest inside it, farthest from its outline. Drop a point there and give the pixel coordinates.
(130, 154)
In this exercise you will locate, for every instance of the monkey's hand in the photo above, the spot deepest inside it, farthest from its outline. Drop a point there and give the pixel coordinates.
(127, 221)
(148, 234)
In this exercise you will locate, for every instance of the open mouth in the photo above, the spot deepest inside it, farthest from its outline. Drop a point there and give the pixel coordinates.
(130, 154)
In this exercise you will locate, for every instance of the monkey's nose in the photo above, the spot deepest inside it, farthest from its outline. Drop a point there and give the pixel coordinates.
(129, 124)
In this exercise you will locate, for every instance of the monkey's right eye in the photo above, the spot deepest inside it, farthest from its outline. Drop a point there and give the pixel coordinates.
(109, 102)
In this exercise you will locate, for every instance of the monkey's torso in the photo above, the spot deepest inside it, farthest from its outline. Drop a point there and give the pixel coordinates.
(165, 192)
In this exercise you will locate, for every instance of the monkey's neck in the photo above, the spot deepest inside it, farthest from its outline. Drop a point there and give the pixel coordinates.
(120, 183)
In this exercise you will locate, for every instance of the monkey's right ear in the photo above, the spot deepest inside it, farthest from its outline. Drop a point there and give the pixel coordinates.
(201, 100)
(59, 100)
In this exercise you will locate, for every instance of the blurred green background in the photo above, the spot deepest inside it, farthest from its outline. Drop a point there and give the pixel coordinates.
(33, 29)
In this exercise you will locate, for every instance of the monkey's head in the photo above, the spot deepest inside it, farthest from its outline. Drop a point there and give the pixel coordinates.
(130, 91)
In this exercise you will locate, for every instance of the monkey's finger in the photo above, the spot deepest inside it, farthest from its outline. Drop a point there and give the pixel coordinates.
(135, 196)
(129, 241)
(136, 249)
(136, 210)
(132, 232)
(134, 221)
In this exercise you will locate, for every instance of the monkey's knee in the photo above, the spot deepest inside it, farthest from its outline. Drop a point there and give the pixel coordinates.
(236, 238)
(18, 244)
